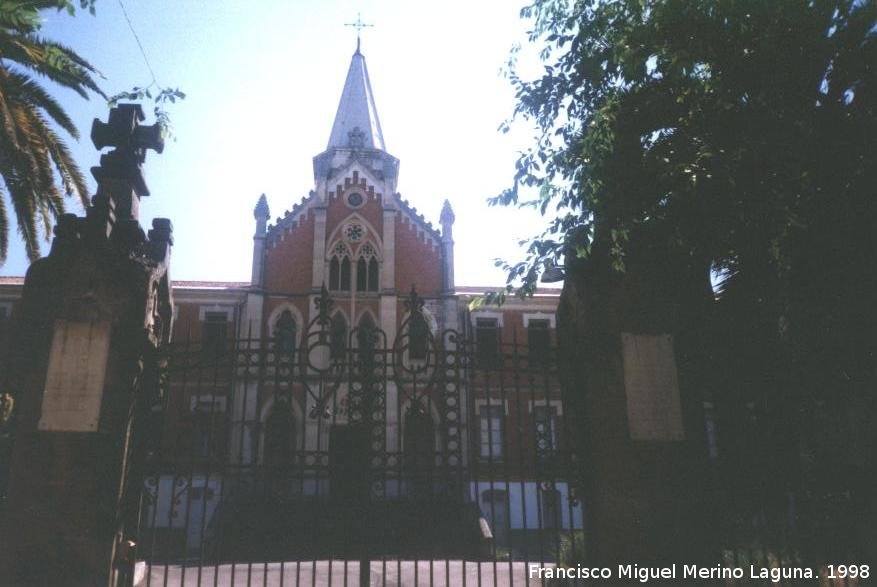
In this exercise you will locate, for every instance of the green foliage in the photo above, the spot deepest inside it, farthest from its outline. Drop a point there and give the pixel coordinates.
(160, 99)
(24, 15)
(7, 405)
(32, 154)
(739, 138)
(572, 549)
(717, 124)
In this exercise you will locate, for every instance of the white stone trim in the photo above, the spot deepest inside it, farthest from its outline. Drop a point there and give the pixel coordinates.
(430, 320)
(554, 403)
(552, 318)
(337, 234)
(491, 402)
(346, 172)
(227, 310)
(359, 317)
(362, 314)
(487, 314)
(368, 240)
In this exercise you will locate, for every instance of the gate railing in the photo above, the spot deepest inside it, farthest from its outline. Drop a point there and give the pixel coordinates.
(309, 447)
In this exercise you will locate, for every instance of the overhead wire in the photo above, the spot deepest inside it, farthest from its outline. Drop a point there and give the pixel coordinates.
(139, 44)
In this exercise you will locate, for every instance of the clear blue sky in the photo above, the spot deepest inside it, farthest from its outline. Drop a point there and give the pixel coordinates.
(263, 80)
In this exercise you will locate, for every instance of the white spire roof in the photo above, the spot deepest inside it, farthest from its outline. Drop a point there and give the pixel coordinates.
(357, 111)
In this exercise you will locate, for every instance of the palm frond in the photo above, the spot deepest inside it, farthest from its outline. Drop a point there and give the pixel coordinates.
(4, 225)
(7, 127)
(23, 201)
(71, 176)
(35, 163)
(22, 87)
(57, 62)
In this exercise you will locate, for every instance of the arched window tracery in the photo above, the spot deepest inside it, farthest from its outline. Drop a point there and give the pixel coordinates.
(367, 269)
(339, 268)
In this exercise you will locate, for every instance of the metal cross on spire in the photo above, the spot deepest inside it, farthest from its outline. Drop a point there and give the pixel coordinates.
(358, 25)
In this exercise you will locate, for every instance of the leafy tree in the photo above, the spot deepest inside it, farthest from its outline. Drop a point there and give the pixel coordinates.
(717, 118)
(738, 137)
(35, 163)
(31, 151)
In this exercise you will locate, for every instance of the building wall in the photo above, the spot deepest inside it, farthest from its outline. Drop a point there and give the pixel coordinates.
(289, 259)
(418, 259)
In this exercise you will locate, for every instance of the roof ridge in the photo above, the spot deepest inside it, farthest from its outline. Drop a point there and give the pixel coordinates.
(413, 213)
(290, 216)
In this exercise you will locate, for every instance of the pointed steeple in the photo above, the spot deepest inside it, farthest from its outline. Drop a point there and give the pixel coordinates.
(356, 122)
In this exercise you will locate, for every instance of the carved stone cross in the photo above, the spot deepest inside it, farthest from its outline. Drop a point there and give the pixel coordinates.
(131, 140)
(123, 130)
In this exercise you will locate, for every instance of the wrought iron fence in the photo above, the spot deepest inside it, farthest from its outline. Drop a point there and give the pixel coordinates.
(410, 458)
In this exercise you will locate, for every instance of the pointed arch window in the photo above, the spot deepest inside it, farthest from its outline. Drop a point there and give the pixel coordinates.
(334, 273)
(367, 269)
(345, 275)
(373, 274)
(367, 330)
(361, 275)
(285, 330)
(339, 269)
(338, 337)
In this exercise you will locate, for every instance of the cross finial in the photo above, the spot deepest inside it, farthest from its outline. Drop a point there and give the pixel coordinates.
(358, 25)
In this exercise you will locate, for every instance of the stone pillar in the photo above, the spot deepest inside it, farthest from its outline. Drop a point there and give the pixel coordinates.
(388, 269)
(85, 376)
(637, 430)
(388, 277)
(250, 326)
(447, 220)
(450, 307)
(261, 213)
(319, 267)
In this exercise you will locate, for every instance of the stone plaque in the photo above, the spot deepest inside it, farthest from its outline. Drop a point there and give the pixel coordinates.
(654, 410)
(76, 375)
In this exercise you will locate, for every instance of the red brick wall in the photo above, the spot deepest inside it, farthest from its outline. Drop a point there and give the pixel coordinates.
(337, 210)
(289, 263)
(417, 261)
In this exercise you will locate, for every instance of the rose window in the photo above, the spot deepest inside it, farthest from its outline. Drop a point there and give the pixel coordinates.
(354, 232)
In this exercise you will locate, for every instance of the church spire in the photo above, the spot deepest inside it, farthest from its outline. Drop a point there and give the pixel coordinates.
(356, 122)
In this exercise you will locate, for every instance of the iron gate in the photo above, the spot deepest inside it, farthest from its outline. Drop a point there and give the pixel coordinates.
(340, 457)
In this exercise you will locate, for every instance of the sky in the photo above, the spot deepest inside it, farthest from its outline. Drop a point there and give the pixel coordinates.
(263, 80)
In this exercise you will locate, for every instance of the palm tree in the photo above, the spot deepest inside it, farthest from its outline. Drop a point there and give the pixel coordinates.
(35, 163)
